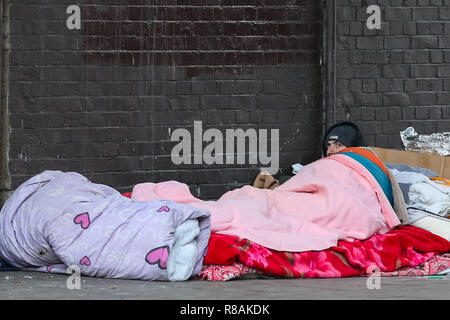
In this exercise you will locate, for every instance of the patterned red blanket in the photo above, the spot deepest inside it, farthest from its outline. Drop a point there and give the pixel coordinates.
(405, 250)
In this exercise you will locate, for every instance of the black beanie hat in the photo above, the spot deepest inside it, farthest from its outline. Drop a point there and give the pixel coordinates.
(346, 133)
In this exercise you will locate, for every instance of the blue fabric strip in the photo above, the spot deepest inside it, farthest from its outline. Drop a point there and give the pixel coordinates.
(377, 173)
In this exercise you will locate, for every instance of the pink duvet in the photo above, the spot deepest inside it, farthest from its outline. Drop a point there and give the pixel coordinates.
(332, 199)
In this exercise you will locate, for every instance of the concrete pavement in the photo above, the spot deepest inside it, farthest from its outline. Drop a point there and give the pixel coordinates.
(35, 285)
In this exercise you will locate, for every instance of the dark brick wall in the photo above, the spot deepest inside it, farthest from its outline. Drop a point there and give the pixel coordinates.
(397, 76)
(103, 100)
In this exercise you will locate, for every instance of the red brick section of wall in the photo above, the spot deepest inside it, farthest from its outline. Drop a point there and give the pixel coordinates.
(201, 33)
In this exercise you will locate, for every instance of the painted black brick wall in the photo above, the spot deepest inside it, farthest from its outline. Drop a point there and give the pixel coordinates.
(103, 100)
(397, 76)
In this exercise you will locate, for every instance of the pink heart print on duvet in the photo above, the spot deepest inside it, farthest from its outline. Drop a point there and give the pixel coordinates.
(158, 256)
(163, 208)
(83, 220)
(85, 261)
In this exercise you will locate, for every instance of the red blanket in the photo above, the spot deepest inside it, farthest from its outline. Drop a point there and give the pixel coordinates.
(404, 246)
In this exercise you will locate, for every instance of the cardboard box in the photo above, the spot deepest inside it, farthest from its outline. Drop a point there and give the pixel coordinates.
(435, 162)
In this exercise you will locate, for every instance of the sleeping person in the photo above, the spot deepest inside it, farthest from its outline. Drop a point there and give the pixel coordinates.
(344, 196)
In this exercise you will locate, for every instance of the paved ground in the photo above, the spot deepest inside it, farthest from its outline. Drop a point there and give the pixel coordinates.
(34, 285)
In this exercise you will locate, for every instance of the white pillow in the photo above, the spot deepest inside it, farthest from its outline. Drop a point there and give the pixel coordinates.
(437, 226)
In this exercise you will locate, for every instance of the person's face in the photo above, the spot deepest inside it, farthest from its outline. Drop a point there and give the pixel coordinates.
(334, 147)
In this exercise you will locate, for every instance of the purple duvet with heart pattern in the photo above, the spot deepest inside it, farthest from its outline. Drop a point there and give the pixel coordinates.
(55, 220)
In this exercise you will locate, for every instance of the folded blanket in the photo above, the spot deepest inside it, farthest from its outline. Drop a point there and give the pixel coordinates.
(334, 198)
(404, 246)
(56, 220)
(430, 196)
